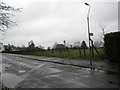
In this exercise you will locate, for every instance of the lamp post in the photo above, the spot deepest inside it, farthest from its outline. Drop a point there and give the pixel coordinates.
(89, 30)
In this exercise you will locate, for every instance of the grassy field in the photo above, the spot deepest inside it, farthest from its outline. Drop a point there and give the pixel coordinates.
(71, 54)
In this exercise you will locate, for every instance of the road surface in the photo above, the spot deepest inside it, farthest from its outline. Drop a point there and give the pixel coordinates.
(27, 73)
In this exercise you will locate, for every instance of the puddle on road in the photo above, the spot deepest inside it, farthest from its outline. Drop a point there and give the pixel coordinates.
(91, 69)
(11, 80)
(24, 64)
(54, 70)
(21, 71)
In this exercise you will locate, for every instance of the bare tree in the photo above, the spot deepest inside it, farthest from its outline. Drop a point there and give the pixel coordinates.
(64, 42)
(6, 14)
(41, 47)
(77, 44)
(103, 31)
(31, 45)
(84, 46)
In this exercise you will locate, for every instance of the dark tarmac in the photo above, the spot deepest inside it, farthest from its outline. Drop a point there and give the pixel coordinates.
(22, 72)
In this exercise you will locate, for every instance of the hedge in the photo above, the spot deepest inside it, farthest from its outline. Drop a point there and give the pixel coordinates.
(112, 46)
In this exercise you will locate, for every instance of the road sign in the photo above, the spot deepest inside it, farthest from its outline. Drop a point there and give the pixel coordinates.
(91, 34)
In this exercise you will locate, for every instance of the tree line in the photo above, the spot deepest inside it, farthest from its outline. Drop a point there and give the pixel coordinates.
(32, 47)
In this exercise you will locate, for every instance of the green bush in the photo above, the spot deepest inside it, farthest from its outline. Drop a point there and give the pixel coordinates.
(112, 46)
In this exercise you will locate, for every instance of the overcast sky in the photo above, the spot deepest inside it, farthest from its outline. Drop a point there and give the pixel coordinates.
(49, 21)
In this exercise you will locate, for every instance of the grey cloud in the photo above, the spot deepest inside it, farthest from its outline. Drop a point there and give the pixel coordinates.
(46, 23)
(105, 12)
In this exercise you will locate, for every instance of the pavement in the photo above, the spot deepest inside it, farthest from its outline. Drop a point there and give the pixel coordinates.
(103, 65)
(25, 71)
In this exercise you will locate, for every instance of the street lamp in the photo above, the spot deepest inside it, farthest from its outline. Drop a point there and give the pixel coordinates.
(86, 4)
(89, 29)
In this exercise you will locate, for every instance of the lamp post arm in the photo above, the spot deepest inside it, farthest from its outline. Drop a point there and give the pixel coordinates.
(89, 11)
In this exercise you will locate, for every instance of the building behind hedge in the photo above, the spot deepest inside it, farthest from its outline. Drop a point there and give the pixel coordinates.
(112, 46)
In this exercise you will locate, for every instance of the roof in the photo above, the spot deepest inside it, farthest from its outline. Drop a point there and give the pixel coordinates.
(58, 46)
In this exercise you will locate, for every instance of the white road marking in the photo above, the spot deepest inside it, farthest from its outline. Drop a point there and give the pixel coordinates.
(39, 66)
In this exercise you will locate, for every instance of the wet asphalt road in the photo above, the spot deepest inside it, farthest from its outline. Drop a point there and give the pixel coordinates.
(28, 73)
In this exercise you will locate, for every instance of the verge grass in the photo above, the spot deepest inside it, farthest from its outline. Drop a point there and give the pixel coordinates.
(71, 54)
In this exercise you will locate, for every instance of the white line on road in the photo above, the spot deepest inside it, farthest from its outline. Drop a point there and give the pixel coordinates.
(39, 66)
